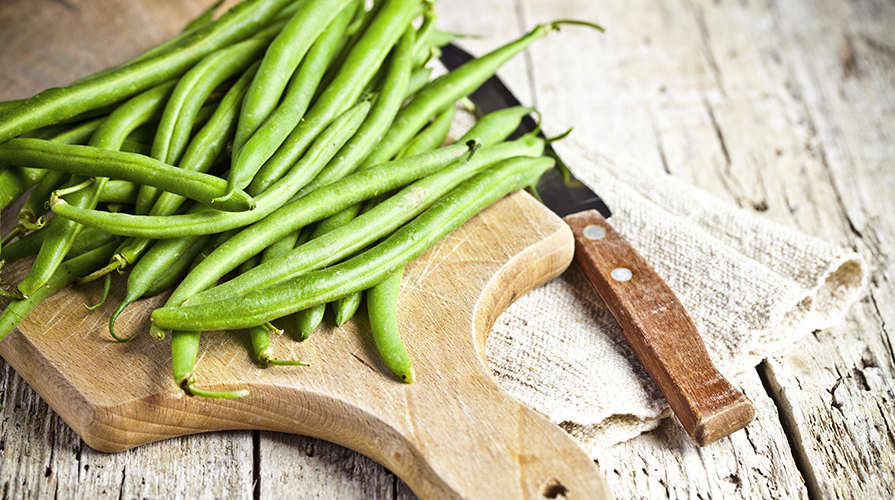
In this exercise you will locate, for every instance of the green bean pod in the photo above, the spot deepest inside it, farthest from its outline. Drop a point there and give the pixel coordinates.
(57, 104)
(432, 136)
(308, 320)
(95, 162)
(15, 181)
(365, 270)
(260, 337)
(184, 350)
(382, 303)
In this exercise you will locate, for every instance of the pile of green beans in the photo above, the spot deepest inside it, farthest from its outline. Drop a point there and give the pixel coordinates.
(288, 157)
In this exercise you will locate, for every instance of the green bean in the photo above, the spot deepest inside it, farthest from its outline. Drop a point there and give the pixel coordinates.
(184, 349)
(382, 302)
(418, 79)
(365, 270)
(359, 66)
(64, 275)
(15, 181)
(54, 105)
(432, 136)
(381, 220)
(30, 216)
(423, 36)
(260, 336)
(121, 192)
(280, 61)
(206, 17)
(308, 320)
(345, 307)
(214, 221)
(172, 275)
(250, 151)
(97, 162)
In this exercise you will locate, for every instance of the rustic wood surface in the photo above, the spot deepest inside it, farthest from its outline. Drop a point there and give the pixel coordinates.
(782, 107)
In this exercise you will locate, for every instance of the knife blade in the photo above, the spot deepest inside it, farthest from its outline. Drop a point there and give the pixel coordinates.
(652, 319)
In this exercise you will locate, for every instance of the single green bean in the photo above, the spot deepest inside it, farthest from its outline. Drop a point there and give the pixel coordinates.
(15, 181)
(382, 303)
(95, 162)
(432, 136)
(184, 350)
(260, 336)
(365, 270)
(121, 192)
(308, 320)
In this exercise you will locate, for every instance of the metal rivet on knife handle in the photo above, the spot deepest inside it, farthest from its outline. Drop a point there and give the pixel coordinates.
(660, 332)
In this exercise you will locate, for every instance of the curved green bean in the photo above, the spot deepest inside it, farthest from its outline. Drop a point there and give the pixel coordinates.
(382, 303)
(260, 337)
(96, 162)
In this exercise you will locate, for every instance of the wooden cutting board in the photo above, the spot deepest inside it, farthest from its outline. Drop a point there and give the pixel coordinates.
(453, 434)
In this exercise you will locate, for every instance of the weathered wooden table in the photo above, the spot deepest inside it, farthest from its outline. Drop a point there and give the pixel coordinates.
(786, 108)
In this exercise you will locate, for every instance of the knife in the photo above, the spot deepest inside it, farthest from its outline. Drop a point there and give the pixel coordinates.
(653, 320)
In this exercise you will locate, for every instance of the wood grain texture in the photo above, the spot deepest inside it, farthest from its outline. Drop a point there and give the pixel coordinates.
(782, 107)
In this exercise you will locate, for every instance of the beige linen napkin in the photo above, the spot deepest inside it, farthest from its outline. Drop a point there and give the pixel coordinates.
(751, 286)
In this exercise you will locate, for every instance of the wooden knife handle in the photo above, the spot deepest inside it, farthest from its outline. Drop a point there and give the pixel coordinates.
(659, 330)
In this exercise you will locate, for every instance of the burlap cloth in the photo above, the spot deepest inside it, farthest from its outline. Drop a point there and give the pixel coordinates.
(752, 287)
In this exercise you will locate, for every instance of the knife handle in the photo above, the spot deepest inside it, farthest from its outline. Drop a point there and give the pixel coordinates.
(659, 330)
